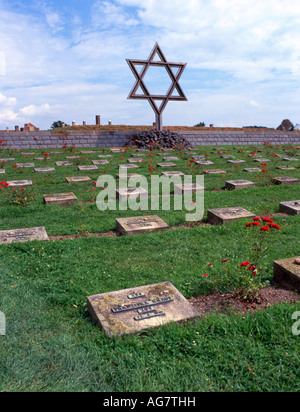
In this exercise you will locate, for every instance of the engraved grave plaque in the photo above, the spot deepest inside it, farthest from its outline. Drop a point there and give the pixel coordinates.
(135, 160)
(78, 179)
(237, 161)
(153, 306)
(100, 162)
(187, 188)
(131, 193)
(214, 172)
(128, 167)
(25, 164)
(285, 180)
(171, 174)
(141, 224)
(2, 171)
(44, 169)
(204, 163)
(66, 163)
(170, 159)
(166, 164)
(286, 273)
(290, 208)
(285, 168)
(87, 168)
(252, 170)
(225, 215)
(238, 184)
(61, 199)
(20, 183)
(23, 235)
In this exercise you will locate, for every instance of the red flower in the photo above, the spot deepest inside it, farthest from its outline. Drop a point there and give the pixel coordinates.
(225, 260)
(256, 219)
(274, 226)
(245, 264)
(206, 274)
(265, 228)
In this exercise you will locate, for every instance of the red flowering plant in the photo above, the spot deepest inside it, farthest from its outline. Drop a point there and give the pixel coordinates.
(261, 234)
(19, 196)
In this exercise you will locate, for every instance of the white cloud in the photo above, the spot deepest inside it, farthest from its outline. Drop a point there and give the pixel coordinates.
(33, 110)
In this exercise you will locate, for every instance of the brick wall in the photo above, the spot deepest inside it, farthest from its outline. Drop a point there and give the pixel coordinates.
(54, 140)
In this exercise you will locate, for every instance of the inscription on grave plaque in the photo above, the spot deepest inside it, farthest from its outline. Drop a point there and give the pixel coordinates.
(61, 199)
(85, 168)
(156, 305)
(100, 162)
(20, 183)
(23, 235)
(291, 208)
(44, 170)
(2, 171)
(25, 164)
(166, 165)
(238, 184)
(78, 179)
(287, 273)
(285, 180)
(64, 163)
(220, 216)
(138, 225)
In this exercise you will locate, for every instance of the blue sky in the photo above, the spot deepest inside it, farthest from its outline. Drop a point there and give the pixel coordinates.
(66, 60)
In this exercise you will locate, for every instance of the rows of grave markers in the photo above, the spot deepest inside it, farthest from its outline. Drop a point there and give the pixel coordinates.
(158, 304)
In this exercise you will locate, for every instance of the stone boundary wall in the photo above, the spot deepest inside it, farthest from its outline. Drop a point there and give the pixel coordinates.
(54, 140)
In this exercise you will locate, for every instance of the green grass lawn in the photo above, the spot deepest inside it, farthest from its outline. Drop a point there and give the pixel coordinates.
(51, 342)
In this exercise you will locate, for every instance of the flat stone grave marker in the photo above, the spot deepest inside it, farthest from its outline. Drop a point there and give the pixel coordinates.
(142, 150)
(87, 168)
(290, 159)
(252, 170)
(25, 164)
(171, 174)
(134, 310)
(40, 159)
(285, 168)
(61, 199)
(287, 273)
(285, 180)
(238, 184)
(204, 163)
(163, 154)
(116, 150)
(141, 224)
(219, 149)
(23, 235)
(170, 159)
(87, 152)
(131, 193)
(128, 167)
(187, 188)
(135, 160)
(236, 161)
(27, 154)
(259, 160)
(66, 163)
(56, 153)
(78, 179)
(104, 156)
(166, 165)
(73, 157)
(214, 172)
(2, 171)
(20, 183)
(225, 215)
(198, 157)
(10, 159)
(100, 162)
(128, 175)
(290, 208)
(138, 155)
(44, 169)
(227, 157)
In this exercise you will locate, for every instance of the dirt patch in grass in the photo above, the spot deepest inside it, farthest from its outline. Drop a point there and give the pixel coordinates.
(267, 297)
(81, 235)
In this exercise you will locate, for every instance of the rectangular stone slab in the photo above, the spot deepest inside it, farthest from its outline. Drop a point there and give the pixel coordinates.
(44, 169)
(23, 235)
(187, 188)
(128, 175)
(140, 224)
(291, 208)
(166, 165)
(128, 167)
(100, 162)
(64, 163)
(221, 216)
(25, 164)
(60, 199)
(170, 159)
(2, 171)
(135, 310)
(20, 183)
(285, 168)
(237, 161)
(78, 179)
(11, 159)
(238, 184)
(135, 160)
(287, 274)
(252, 170)
(171, 174)
(285, 180)
(131, 193)
(204, 163)
(214, 172)
(87, 168)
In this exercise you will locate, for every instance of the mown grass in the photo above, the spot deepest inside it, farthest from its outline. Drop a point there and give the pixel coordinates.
(53, 345)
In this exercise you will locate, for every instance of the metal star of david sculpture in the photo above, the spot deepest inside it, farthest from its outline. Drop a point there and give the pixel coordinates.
(174, 76)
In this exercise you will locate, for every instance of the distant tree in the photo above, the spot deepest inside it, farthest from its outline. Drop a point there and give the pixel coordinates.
(58, 124)
(201, 124)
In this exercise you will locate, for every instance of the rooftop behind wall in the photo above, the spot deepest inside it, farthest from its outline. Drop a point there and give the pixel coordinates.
(119, 138)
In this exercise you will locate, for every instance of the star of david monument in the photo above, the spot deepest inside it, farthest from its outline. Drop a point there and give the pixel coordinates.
(140, 91)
